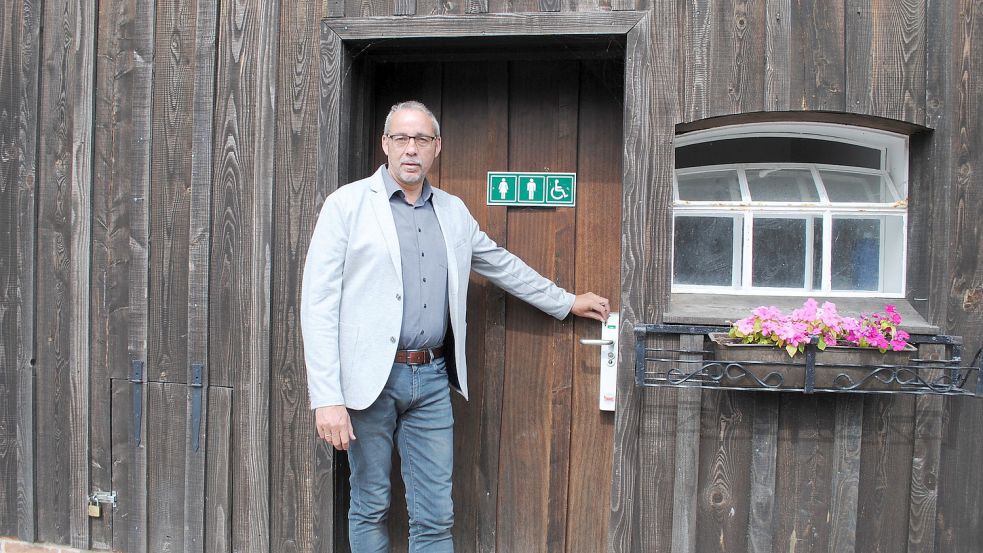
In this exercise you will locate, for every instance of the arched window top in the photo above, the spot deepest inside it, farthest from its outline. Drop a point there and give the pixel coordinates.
(790, 208)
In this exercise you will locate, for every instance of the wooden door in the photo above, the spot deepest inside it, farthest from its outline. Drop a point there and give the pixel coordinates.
(533, 453)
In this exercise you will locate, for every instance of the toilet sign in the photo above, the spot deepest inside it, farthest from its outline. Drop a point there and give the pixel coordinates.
(532, 189)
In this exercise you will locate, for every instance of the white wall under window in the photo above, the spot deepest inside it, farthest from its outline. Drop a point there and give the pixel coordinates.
(790, 209)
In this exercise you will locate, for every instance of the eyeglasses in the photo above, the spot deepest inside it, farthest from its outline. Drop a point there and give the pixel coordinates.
(401, 140)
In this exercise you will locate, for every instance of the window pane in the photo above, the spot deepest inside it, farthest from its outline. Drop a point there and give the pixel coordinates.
(719, 186)
(782, 185)
(777, 149)
(856, 187)
(817, 253)
(703, 250)
(856, 256)
(779, 253)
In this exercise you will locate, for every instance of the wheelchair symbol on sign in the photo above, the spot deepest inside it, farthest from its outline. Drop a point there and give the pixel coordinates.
(558, 192)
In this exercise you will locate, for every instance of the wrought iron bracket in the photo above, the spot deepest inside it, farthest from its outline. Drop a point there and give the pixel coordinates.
(196, 393)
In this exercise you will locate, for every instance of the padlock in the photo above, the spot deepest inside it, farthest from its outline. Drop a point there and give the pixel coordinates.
(95, 510)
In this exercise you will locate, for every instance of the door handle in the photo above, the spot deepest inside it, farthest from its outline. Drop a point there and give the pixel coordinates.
(608, 342)
(592, 342)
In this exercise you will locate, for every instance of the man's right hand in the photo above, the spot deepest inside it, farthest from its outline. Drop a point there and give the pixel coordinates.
(334, 426)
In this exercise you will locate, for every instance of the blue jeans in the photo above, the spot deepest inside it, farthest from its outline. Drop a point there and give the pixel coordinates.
(414, 411)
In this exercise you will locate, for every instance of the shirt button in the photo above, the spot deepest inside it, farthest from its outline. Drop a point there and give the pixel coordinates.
(424, 279)
(398, 297)
(421, 332)
(392, 339)
(422, 254)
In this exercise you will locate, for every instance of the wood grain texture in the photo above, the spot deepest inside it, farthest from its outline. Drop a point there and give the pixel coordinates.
(121, 173)
(166, 415)
(239, 288)
(728, 71)
(847, 431)
(369, 8)
(724, 485)
(64, 196)
(764, 452)
(650, 115)
(817, 55)
(404, 7)
(169, 200)
(778, 51)
(688, 453)
(19, 56)
(497, 24)
(538, 350)
(196, 535)
(961, 286)
(804, 473)
(474, 126)
(598, 269)
(218, 490)
(925, 461)
(885, 59)
(328, 536)
(292, 437)
(129, 470)
(885, 473)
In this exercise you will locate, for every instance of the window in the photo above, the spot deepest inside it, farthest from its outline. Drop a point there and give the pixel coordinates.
(790, 209)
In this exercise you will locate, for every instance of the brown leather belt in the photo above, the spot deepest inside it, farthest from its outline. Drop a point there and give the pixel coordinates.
(418, 356)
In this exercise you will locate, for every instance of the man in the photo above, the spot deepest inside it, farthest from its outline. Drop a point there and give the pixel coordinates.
(384, 291)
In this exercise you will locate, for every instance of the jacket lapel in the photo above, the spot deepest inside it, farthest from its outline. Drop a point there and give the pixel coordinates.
(384, 215)
(444, 217)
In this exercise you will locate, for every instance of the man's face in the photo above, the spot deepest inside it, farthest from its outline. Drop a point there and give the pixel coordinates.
(409, 164)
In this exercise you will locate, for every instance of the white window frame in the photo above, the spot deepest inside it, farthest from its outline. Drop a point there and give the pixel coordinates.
(894, 169)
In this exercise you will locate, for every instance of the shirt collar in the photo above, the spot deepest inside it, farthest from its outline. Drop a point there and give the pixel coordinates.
(392, 187)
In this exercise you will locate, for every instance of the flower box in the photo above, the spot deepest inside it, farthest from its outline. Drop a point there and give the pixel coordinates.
(836, 368)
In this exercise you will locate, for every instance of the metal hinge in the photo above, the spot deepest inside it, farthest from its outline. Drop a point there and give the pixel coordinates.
(196, 389)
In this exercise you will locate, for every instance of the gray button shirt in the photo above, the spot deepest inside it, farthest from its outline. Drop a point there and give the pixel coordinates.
(424, 264)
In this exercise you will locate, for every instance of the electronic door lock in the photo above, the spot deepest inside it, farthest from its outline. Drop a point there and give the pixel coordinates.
(609, 361)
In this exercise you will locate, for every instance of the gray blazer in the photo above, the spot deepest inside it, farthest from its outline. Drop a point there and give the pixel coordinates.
(351, 303)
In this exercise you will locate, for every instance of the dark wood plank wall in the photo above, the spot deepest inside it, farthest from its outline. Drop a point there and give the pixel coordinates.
(62, 272)
(912, 61)
(19, 75)
(297, 483)
(119, 231)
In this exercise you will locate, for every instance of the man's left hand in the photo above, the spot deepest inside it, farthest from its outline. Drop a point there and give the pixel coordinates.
(591, 306)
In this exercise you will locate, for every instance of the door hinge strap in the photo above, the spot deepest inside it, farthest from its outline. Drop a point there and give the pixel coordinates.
(196, 390)
(136, 377)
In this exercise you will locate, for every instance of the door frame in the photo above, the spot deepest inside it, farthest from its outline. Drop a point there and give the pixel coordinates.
(650, 115)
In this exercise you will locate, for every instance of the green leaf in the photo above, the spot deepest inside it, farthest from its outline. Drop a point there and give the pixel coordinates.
(822, 344)
(792, 350)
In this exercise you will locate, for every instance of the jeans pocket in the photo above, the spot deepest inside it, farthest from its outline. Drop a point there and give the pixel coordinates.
(440, 366)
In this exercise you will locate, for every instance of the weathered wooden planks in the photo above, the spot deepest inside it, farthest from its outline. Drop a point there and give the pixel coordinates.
(725, 456)
(475, 131)
(296, 518)
(847, 433)
(239, 284)
(764, 448)
(538, 350)
(925, 461)
(688, 452)
(598, 269)
(885, 59)
(885, 473)
(501, 24)
(725, 72)
(64, 217)
(817, 57)
(19, 57)
(218, 490)
(121, 184)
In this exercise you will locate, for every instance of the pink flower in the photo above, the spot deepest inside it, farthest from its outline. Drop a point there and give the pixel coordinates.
(893, 314)
(745, 326)
(807, 312)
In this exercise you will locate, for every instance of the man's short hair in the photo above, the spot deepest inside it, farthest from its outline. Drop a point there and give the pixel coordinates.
(412, 104)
